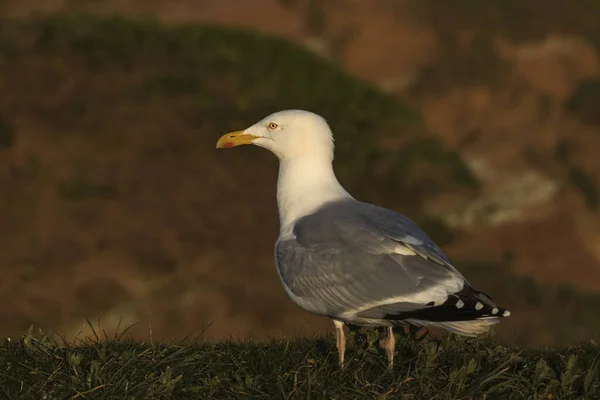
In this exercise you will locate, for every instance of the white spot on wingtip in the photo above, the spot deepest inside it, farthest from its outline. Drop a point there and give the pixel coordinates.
(506, 313)
(495, 310)
(478, 306)
(460, 304)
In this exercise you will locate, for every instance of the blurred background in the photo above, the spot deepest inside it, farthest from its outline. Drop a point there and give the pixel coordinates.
(478, 119)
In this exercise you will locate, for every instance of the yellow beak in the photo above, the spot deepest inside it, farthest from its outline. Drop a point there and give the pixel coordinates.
(233, 139)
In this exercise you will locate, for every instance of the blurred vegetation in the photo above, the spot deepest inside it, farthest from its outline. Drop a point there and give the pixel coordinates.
(577, 177)
(453, 368)
(584, 182)
(432, 150)
(518, 20)
(233, 72)
(460, 64)
(233, 78)
(585, 101)
(7, 134)
(79, 190)
(467, 29)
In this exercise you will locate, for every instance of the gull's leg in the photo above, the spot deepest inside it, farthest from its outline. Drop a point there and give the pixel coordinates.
(390, 346)
(340, 340)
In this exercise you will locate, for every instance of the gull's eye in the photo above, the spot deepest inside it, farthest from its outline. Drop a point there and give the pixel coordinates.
(272, 125)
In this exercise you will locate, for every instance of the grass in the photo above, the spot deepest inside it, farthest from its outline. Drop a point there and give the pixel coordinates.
(450, 368)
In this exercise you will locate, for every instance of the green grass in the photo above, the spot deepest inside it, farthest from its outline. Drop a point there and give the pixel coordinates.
(451, 368)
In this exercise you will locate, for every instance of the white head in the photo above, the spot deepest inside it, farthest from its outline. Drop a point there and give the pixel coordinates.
(289, 134)
(304, 145)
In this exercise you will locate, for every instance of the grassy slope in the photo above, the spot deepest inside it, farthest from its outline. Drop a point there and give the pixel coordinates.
(450, 369)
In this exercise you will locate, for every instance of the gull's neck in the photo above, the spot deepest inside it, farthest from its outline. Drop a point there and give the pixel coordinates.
(303, 186)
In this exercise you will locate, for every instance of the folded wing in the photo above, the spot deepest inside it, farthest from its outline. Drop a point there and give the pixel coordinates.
(359, 262)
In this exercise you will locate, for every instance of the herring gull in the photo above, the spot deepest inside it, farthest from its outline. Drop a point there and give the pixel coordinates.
(354, 262)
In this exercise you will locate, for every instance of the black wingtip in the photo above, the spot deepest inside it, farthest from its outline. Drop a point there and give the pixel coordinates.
(466, 305)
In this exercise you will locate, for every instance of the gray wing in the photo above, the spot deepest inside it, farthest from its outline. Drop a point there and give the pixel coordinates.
(352, 259)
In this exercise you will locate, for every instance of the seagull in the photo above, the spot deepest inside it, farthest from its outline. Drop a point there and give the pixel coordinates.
(355, 262)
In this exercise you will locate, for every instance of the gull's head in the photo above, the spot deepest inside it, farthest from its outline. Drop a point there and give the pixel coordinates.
(288, 134)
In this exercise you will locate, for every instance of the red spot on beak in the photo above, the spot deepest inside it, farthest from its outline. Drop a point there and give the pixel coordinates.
(228, 145)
